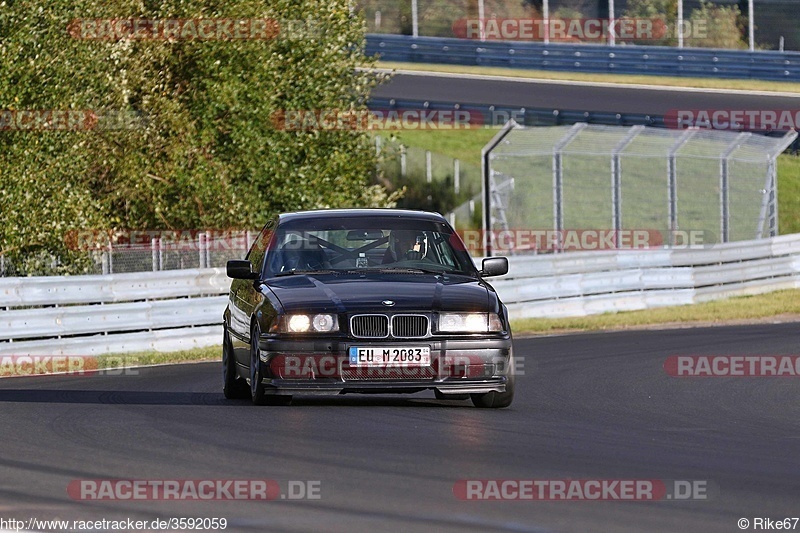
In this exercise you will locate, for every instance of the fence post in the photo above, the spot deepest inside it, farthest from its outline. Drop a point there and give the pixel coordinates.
(208, 249)
(616, 181)
(672, 182)
(724, 186)
(428, 166)
(456, 176)
(154, 253)
(414, 19)
(201, 250)
(486, 188)
(558, 180)
(403, 161)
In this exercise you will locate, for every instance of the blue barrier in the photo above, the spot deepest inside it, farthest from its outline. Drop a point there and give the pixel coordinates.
(497, 115)
(651, 60)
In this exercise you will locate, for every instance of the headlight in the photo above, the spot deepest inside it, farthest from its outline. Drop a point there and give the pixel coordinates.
(469, 322)
(300, 323)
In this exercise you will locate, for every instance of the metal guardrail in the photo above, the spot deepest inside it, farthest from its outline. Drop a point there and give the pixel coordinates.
(652, 60)
(90, 315)
(174, 310)
(584, 283)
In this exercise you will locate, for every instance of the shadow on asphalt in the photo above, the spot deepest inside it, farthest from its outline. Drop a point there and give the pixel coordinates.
(115, 397)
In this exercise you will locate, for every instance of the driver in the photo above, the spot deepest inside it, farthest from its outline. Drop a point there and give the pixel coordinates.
(405, 245)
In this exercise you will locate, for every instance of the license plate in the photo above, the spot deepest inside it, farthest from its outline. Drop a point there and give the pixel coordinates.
(390, 356)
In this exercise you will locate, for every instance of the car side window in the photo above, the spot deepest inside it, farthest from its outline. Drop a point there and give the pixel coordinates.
(259, 247)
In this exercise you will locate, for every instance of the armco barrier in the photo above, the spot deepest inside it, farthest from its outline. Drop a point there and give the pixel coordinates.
(584, 283)
(89, 315)
(652, 60)
(181, 309)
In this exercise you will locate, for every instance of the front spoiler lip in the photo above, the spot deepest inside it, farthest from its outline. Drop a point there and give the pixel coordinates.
(284, 386)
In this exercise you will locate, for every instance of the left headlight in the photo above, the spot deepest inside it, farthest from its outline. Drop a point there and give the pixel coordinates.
(469, 322)
(308, 323)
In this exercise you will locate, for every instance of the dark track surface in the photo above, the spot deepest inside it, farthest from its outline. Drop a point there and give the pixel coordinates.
(588, 406)
(571, 96)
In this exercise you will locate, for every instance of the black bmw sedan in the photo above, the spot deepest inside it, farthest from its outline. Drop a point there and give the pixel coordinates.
(365, 301)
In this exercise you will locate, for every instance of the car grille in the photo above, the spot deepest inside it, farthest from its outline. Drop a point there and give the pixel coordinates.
(370, 326)
(409, 326)
(377, 326)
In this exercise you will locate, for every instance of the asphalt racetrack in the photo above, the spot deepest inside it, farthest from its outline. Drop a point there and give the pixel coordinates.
(575, 96)
(589, 406)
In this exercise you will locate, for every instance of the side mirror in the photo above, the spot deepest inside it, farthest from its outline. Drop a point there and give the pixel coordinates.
(240, 269)
(494, 266)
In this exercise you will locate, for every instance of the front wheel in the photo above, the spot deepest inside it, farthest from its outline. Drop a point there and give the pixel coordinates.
(233, 387)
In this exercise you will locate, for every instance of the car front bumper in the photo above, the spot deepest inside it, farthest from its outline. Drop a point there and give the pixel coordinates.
(320, 366)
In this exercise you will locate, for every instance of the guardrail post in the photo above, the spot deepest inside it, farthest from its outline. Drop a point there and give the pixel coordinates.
(456, 176)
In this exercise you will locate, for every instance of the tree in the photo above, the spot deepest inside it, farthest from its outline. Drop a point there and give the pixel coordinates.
(200, 149)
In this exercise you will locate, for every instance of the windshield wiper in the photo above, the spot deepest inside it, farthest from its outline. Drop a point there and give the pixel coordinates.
(417, 270)
(293, 272)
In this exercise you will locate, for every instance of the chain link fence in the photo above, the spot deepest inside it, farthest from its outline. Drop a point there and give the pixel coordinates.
(141, 251)
(433, 181)
(715, 24)
(670, 184)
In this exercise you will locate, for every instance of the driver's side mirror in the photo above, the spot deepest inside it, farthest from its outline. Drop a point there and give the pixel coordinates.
(494, 266)
(240, 269)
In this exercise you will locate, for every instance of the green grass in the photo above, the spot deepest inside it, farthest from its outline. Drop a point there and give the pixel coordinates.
(733, 310)
(701, 83)
(212, 353)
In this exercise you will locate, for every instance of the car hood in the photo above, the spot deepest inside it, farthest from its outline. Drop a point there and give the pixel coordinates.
(348, 293)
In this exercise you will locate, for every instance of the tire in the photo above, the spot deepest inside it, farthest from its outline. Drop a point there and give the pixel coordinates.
(233, 387)
(257, 390)
(497, 400)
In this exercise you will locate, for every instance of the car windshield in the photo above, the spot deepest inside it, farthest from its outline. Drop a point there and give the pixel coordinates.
(390, 244)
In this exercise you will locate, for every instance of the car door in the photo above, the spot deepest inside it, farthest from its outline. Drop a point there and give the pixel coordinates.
(245, 296)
